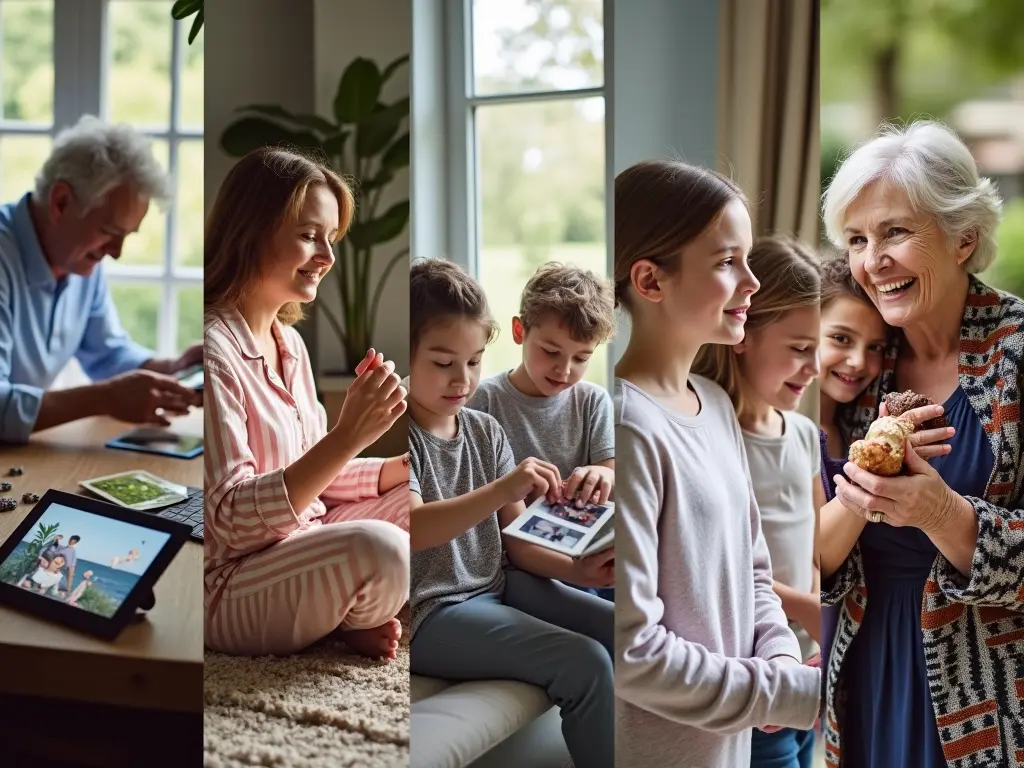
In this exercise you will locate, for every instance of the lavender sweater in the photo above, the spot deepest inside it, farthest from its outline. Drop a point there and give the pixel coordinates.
(696, 620)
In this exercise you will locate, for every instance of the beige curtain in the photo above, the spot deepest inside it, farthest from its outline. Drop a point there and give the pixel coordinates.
(768, 110)
(767, 118)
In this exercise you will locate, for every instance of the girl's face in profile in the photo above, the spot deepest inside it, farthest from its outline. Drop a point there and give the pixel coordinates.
(779, 361)
(708, 296)
(852, 345)
(445, 368)
(300, 253)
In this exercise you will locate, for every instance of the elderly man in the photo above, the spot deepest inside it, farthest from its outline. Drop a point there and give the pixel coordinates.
(92, 192)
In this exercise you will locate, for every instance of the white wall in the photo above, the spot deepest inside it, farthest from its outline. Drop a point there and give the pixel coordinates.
(344, 30)
(663, 88)
(257, 52)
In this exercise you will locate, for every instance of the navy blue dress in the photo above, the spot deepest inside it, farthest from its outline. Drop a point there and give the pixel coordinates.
(889, 721)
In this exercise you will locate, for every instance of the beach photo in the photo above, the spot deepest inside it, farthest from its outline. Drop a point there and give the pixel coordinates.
(84, 560)
(549, 531)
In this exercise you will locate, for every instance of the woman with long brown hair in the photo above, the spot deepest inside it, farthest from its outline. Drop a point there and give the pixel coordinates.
(302, 537)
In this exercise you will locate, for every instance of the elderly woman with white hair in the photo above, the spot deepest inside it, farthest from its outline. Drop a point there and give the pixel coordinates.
(928, 567)
(92, 192)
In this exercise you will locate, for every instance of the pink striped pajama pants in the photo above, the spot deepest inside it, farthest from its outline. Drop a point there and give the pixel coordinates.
(351, 572)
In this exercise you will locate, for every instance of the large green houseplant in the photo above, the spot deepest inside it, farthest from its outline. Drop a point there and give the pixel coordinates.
(366, 140)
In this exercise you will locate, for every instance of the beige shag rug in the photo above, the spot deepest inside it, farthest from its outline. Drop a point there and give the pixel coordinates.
(324, 708)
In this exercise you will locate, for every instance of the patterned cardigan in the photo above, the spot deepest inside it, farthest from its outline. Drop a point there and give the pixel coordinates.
(973, 628)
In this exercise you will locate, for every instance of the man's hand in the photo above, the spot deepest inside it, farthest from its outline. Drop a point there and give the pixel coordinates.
(137, 396)
(170, 366)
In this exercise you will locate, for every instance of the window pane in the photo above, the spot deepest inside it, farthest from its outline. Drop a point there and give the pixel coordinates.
(27, 63)
(190, 317)
(542, 192)
(191, 115)
(537, 45)
(148, 245)
(139, 308)
(189, 215)
(21, 157)
(139, 79)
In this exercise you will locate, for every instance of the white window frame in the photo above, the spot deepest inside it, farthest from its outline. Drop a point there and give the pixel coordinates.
(463, 232)
(80, 65)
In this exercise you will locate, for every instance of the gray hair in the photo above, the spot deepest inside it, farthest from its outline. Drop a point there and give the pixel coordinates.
(930, 163)
(95, 157)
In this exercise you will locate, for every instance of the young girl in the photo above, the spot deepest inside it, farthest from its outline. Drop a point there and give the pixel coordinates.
(765, 376)
(86, 582)
(472, 619)
(302, 537)
(704, 650)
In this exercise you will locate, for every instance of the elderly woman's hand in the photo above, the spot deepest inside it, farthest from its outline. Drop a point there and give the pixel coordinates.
(920, 498)
(927, 442)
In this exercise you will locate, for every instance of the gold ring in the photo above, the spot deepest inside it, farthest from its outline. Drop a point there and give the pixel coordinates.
(877, 517)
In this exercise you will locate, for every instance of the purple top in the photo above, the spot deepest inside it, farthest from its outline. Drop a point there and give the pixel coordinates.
(829, 468)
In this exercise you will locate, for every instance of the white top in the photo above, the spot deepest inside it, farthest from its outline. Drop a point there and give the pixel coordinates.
(783, 471)
(45, 578)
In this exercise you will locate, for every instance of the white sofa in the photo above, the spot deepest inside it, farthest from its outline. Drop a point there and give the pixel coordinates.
(455, 723)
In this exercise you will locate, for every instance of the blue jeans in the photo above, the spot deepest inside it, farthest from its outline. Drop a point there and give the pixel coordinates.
(541, 632)
(788, 748)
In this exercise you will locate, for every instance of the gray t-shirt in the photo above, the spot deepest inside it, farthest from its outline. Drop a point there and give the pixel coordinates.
(697, 623)
(783, 471)
(441, 469)
(572, 429)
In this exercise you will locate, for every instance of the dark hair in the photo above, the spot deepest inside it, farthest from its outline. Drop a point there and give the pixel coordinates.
(74, 539)
(439, 289)
(837, 281)
(263, 191)
(577, 298)
(660, 207)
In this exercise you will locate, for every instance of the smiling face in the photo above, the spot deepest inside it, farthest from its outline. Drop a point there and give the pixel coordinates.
(445, 367)
(780, 360)
(300, 253)
(852, 345)
(708, 297)
(901, 257)
(80, 239)
(553, 360)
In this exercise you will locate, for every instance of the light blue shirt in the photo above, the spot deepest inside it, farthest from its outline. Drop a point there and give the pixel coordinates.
(44, 322)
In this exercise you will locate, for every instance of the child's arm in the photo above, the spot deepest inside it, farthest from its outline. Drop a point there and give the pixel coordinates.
(664, 673)
(438, 522)
(805, 607)
(839, 530)
(597, 571)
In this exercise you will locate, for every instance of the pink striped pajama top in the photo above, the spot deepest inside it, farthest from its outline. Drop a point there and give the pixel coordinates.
(256, 426)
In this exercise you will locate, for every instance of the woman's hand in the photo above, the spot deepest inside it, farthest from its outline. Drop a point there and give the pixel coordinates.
(372, 404)
(927, 442)
(589, 485)
(919, 499)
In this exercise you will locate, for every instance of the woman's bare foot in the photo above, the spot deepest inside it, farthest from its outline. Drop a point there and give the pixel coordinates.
(377, 643)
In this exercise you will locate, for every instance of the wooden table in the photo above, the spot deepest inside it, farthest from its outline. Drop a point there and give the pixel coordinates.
(156, 663)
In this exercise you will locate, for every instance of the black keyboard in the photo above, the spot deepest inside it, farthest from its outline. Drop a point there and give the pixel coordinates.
(189, 512)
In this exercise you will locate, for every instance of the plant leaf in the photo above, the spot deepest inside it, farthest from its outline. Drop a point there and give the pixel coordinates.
(366, 234)
(182, 9)
(397, 155)
(269, 110)
(334, 145)
(317, 123)
(196, 25)
(249, 133)
(390, 69)
(358, 91)
(376, 131)
(385, 176)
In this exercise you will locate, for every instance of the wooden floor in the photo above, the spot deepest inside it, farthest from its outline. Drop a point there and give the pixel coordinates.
(48, 733)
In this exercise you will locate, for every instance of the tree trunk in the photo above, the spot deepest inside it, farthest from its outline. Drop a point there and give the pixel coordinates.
(885, 67)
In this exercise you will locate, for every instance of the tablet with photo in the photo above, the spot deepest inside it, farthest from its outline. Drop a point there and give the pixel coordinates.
(137, 489)
(159, 441)
(86, 563)
(566, 528)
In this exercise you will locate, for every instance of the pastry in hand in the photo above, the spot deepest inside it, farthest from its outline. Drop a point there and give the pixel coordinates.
(881, 451)
(898, 403)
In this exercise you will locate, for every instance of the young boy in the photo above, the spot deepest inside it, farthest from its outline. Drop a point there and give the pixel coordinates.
(473, 618)
(544, 406)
